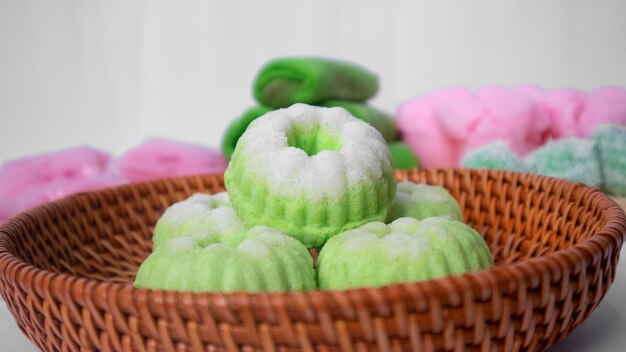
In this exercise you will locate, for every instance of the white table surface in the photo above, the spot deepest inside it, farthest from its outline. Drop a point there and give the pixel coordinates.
(604, 330)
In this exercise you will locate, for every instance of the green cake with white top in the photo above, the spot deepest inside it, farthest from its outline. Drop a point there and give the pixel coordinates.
(199, 213)
(421, 201)
(407, 250)
(311, 172)
(261, 259)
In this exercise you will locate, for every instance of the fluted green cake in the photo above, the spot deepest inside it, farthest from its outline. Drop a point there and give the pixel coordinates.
(421, 201)
(406, 250)
(199, 213)
(311, 172)
(376, 118)
(262, 259)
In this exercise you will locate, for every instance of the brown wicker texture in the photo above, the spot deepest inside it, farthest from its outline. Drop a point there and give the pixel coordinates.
(621, 201)
(66, 270)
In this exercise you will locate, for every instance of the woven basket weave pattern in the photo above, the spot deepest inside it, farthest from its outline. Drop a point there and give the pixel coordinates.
(65, 269)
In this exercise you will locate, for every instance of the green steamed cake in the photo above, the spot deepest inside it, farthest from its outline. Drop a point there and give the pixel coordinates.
(311, 172)
(611, 149)
(198, 213)
(407, 250)
(238, 126)
(402, 157)
(572, 159)
(421, 201)
(494, 156)
(261, 260)
(378, 119)
(289, 80)
(384, 123)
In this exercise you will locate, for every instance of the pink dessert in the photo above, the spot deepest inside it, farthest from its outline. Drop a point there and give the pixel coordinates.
(445, 124)
(7, 208)
(603, 105)
(57, 189)
(507, 115)
(158, 158)
(68, 165)
(422, 131)
(563, 106)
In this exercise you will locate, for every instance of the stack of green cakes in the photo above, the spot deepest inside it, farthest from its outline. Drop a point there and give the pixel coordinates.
(323, 82)
(310, 177)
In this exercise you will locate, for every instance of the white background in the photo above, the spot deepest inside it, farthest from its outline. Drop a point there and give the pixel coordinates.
(111, 73)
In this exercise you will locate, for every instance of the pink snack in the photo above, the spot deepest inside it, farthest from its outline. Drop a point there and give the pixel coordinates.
(7, 208)
(422, 131)
(508, 115)
(159, 158)
(603, 105)
(60, 188)
(444, 125)
(563, 106)
(66, 165)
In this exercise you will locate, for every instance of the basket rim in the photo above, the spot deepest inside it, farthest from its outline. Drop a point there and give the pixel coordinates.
(451, 289)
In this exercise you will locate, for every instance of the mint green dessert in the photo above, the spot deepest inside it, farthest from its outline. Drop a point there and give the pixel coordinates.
(494, 156)
(572, 159)
(198, 213)
(311, 172)
(262, 259)
(421, 201)
(407, 250)
(611, 149)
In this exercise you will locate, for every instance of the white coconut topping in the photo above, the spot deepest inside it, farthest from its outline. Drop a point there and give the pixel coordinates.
(395, 240)
(402, 245)
(213, 210)
(254, 247)
(290, 171)
(181, 243)
(406, 225)
(422, 192)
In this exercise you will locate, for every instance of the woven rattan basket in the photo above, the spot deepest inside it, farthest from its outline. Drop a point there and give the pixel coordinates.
(66, 270)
